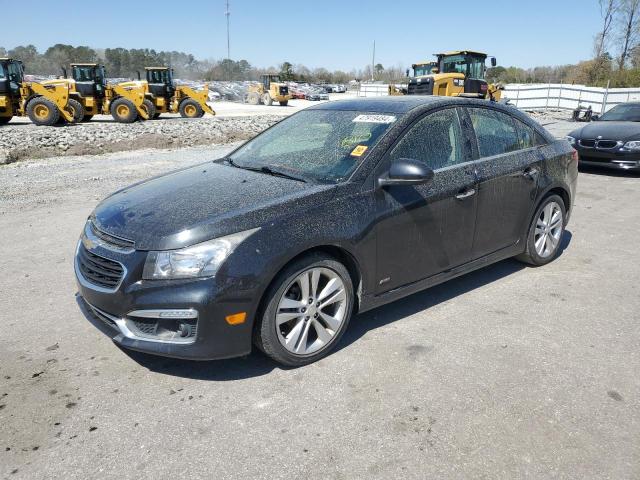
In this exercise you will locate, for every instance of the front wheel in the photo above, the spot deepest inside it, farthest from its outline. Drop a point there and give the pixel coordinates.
(545, 232)
(284, 103)
(150, 108)
(76, 109)
(189, 108)
(42, 111)
(123, 110)
(306, 312)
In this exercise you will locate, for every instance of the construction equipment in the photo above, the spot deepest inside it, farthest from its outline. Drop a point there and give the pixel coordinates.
(90, 94)
(162, 95)
(269, 90)
(43, 104)
(457, 73)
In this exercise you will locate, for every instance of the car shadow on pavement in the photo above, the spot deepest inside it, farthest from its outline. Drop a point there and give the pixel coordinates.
(609, 172)
(257, 364)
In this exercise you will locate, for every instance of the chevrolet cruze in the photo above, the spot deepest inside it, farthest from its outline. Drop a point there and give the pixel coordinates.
(333, 211)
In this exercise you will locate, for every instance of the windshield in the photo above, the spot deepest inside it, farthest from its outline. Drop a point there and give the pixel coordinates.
(83, 74)
(2, 72)
(158, 76)
(320, 145)
(623, 113)
(422, 70)
(470, 66)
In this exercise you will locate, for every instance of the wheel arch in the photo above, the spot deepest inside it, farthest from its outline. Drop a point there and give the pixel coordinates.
(339, 253)
(561, 191)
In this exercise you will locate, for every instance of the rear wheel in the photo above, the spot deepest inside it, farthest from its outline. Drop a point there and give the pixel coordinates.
(284, 103)
(86, 118)
(253, 99)
(76, 109)
(150, 108)
(266, 99)
(42, 111)
(307, 310)
(123, 110)
(190, 109)
(5, 120)
(545, 232)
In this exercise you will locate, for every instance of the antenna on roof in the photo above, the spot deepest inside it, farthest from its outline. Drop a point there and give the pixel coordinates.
(227, 14)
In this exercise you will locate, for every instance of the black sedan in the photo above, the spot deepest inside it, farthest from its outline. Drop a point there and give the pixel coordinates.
(335, 210)
(612, 141)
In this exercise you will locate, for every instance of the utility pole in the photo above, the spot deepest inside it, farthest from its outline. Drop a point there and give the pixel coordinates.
(373, 62)
(227, 13)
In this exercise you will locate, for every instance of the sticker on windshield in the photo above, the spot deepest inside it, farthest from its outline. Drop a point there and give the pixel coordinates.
(359, 151)
(375, 119)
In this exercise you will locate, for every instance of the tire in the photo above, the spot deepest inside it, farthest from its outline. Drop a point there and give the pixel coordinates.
(123, 110)
(43, 112)
(77, 110)
(5, 120)
(543, 239)
(156, 115)
(267, 100)
(189, 108)
(150, 108)
(253, 98)
(87, 118)
(280, 331)
(284, 103)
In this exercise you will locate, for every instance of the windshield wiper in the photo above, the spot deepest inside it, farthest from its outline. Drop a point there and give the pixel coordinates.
(268, 169)
(276, 172)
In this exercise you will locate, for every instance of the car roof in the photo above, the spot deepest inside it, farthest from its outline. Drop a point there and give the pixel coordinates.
(390, 104)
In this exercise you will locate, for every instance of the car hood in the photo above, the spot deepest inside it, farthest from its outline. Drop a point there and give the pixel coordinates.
(624, 131)
(200, 203)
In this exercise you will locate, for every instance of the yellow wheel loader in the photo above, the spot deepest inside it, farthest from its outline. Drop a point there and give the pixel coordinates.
(90, 95)
(269, 90)
(162, 95)
(43, 104)
(457, 73)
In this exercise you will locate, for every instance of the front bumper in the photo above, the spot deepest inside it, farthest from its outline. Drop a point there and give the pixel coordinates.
(211, 301)
(618, 160)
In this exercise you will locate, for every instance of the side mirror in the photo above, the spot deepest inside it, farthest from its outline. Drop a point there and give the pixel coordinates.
(494, 62)
(406, 171)
(407, 73)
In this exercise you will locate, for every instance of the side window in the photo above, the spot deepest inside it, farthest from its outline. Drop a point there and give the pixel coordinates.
(495, 131)
(435, 140)
(526, 134)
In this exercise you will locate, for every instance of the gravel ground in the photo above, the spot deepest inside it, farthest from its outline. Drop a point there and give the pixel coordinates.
(508, 372)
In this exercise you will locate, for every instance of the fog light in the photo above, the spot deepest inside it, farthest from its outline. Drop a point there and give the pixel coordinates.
(236, 318)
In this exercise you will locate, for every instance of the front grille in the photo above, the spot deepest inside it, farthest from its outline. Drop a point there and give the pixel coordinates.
(587, 143)
(110, 239)
(422, 88)
(99, 270)
(284, 90)
(594, 159)
(607, 144)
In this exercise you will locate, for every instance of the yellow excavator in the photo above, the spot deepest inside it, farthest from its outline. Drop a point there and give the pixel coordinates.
(43, 104)
(460, 73)
(90, 94)
(269, 90)
(162, 95)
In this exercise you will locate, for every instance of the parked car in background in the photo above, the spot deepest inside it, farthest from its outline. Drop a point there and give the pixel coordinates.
(337, 209)
(612, 140)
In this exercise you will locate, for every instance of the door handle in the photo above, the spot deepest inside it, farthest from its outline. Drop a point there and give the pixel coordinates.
(531, 173)
(468, 192)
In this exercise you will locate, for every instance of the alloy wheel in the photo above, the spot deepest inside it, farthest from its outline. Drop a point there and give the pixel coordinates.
(549, 227)
(311, 311)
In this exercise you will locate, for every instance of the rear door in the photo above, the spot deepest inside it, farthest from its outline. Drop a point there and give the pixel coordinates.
(426, 229)
(507, 172)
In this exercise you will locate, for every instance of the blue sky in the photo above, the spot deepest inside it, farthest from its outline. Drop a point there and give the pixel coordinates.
(330, 33)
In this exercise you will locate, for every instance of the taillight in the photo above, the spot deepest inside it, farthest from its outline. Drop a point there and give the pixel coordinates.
(574, 155)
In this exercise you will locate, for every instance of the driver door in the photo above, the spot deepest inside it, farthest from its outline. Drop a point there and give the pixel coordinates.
(427, 229)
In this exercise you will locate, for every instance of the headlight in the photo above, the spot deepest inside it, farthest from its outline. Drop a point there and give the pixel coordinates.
(571, 140)
(634, 145)
(201, 260)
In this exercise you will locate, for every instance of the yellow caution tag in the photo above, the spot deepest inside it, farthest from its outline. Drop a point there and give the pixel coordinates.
(359, 151)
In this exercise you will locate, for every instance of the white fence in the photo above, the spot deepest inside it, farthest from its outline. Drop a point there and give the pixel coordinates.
(567, 97)
(534, 96)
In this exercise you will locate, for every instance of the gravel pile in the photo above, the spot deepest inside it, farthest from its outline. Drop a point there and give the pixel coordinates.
(23, 141)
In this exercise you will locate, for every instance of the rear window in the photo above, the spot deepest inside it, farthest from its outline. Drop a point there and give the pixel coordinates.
(495, 131)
